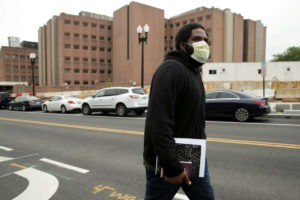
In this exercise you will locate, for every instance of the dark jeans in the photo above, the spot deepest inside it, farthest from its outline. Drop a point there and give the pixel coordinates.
(158, 189)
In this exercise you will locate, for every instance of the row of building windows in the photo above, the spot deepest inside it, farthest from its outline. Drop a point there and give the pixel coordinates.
(84, 82)
(85, 71)
(8, 67)
(86, 24)
(86, 36)
(85, 59)
(15, 56)
(86, 47)
(21, 78)
(199, 19)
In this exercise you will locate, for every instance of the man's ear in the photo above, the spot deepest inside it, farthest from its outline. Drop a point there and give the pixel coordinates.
(189, 49)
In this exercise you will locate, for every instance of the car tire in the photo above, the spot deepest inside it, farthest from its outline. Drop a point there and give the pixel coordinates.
(121, 110)
(45, 109)
(63, 109)
(24, 108)
(86, 110)
(242, 114)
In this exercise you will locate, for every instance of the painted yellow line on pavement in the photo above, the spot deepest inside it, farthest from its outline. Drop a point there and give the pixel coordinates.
(221, 140)
(18, 165)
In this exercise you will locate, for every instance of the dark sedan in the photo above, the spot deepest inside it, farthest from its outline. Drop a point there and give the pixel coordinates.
(25, 103)
(241, 106)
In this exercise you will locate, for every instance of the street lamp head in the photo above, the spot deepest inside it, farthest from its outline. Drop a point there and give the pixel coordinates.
(32, 55)
(139, 29)
(146, 28)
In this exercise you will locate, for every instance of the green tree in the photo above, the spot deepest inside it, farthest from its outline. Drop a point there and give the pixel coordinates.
(291, 54)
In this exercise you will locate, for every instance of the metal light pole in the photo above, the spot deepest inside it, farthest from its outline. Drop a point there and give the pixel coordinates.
(32, 57)
(142, 39)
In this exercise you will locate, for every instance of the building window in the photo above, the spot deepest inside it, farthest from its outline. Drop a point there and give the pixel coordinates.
(94, 60)
(109, 39)
(94, 25)
(208, 17)
(109, 61)
(76, 23)
(102, 26)
(101, 38)
(67, 70)
(184, 22)
(109, 49)
(85, 82)
(76, 46)
(94, 71)
(102, 71)
(102, 49)
(85, 36)
(192, 20)
(108, 27)
(67, 46)
(94, 37)
(200, 19)
(171, 25)
(177, 24)
(109, 71)
(102, 61)
(67, 34)
(22, 56)
(85, 47)
(76, 35)
(67, 58)
(212, 71)
(85, 60)
(76, 82)
(259, 71)
(68, 82)
(76, 70)
(76, 59)
(86, 24)
(94, 48)
(67, 21)
(85, 71)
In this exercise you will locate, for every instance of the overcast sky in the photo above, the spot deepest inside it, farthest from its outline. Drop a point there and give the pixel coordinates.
(22, 18)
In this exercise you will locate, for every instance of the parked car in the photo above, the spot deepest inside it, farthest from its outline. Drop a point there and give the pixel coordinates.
(25, 103)
(242, 106)
(117, 99)
(62, 104)
(5, 98)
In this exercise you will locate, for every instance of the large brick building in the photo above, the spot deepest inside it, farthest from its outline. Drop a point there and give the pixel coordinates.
(15, 65)
(92, 48)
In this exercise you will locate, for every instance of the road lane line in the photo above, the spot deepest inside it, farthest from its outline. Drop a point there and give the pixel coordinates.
(5, 148)
(42, 186)
(221, 140)
(2, 159)
(181, 196)
(60, 164)
(18, 165)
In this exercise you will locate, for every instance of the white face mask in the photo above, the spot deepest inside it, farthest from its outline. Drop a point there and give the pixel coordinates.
(201, 51)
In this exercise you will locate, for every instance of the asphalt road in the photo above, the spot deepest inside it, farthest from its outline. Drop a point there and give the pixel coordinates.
(57, 156)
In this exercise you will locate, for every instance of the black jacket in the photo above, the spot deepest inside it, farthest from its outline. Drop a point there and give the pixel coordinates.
(176, 109)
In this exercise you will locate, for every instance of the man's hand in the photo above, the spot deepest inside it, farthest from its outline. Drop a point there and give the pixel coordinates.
(179, 179)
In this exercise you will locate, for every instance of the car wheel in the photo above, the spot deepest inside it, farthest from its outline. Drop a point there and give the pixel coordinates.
(121, 110)
(241, 114)
(24, 108)
(139, 112)
(10, 107)
(86, 110)
(63, 109)
(45, 109)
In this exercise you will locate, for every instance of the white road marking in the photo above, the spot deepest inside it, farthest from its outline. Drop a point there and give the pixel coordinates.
(2, 159)
(70, 167)
(5, 148)
(181, 196)
(41, 185)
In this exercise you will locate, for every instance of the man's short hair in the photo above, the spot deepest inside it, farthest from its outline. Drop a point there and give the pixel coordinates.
(185, 33)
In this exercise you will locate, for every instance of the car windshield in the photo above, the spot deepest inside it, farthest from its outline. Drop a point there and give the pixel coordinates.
(138, 91)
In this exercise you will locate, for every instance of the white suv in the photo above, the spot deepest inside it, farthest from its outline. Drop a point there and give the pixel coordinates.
(117, 99)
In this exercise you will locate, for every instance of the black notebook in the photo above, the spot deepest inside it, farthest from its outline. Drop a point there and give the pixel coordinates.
(191, 154)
